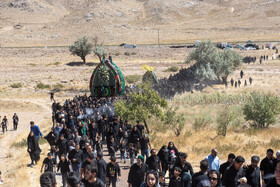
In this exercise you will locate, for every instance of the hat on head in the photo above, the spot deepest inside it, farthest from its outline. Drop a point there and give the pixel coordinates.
(61, 135)
(164, 148)
(141, 157)
(49, 154)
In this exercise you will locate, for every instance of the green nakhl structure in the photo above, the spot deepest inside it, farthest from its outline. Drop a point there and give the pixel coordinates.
(150, 76)
(107, 80)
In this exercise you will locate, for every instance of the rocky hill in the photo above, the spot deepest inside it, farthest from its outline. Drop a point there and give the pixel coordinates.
(60, 22)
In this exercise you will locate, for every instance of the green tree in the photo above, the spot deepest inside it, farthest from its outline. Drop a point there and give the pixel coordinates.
(81, 48)
(229, 61)
(174, 121)
(141, 105)
(262, 110)
(224, 119)
(212, 64)
(100, 51)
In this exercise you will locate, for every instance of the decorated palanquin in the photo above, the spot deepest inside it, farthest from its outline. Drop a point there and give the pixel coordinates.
(107, 80)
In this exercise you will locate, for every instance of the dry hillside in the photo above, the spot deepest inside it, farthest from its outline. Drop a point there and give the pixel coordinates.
(60, 22)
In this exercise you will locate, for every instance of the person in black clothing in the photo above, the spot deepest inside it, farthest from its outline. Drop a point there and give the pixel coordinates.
(153, 162)
(224, 166)
(47, 179)
(250, 80)
(161, 179)
(234, 173)
(62, 146)
(92, 131)
(88, 161)
(164, 158)
(102, 166)
(90, 179)
(252, 173)
(63, 166)
(239, 83)
(140, 127)
(137, 173)
(131, 153)
(231, 82)
(134, 136)
(201, 175)
(112, 146)
(275, 182)
(113, 172)
(184, 165)
(33, 148)
(267, 164)
(49, 164)
(122, 149)
(177, 181)
(214, 178)
(4, 126)
(241, 74)
(73, 179)
(171, 146)
(15, 121)
(52, 96)
(144, 143)
(75, 156)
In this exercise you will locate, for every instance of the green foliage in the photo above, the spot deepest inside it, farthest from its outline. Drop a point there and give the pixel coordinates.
(262, 110)
(212, 64)
(172, 69)
(58, 86)
(81, 48)
(100, 51)
(150, 77)
(103, 75)
(142, 105)
(23, 143)
(174, 121)
(224, 118)
(130, 79)
(201, 122)
(133, 53)
(127, 53)
(16, 85)
(274, 143)
(117, 54)
(43, 86)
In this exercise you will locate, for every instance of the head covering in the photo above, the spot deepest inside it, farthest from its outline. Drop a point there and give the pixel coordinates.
(164, 148)
(172, 153)
(278, 153)
(141, 157)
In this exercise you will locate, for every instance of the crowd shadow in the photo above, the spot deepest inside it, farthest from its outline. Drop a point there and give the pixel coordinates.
(82, 64)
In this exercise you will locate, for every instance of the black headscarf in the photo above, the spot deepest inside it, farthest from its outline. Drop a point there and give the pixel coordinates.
(219, 184)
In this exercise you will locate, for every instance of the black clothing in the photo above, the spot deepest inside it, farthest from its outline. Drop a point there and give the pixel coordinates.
(15, 121)
(97, 183)
(144, 143)
(197, 177)
(267, 166)
(35, 150)
(153, 163)
(86, 162)
(75, 154)
(187, 168)
(175, 182)
(50, 138)
(113, 171)
(174, 149)
(140, 128)
(272, 183)
(134, 137)
(253, 176)
(223, 168)
(102, 165)
(231, 176)
(136, 175)
(63, 147)
(49, 164)
(63, 166)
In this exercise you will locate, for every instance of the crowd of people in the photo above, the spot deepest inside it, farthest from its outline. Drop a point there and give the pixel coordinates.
(86, 127)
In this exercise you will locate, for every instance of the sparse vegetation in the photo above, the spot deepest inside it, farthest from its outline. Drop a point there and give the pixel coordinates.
(58, 86)
(172, 69)
(127, 53)
(201, 122)
(16, 85)
(54, 64)
(224, 119)
(174, 121)
(130, 79)
(43, 86)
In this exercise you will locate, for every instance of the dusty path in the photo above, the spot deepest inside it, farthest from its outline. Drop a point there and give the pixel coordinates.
(11, 157)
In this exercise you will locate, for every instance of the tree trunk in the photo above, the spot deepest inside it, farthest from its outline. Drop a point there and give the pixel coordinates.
(84, 59)
(146, 127)
(224, 79)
